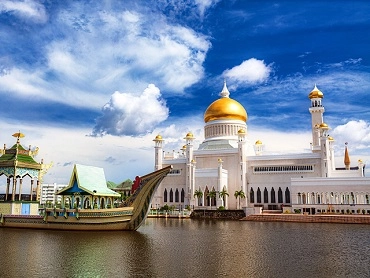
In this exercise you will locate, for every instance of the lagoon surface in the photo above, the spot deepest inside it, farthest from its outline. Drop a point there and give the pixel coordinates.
(191, 248)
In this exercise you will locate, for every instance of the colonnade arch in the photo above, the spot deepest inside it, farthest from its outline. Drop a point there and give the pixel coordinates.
(269, 196)
(338, 198)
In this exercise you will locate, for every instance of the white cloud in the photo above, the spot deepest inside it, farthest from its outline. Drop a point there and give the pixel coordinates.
(203, 5)
(28, 9)
(99, 52)
(129, 114)
(130, 46)
(356, 134)
(250, 71)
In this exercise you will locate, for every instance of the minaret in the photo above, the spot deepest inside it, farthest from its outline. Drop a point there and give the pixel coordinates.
(361, 166)
(331, 149)
(317, 111)
(189, 163)
(242, 153)
(347, 161)
(158, 152)
(258, 147)
(326, 164)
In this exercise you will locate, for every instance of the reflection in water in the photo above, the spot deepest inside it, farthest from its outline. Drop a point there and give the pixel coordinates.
(189, 248)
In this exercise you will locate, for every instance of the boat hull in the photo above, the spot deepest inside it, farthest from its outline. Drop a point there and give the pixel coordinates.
(82, 220)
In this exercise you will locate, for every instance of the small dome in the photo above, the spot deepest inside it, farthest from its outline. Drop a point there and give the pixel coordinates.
(158, 138)
(331, 138)
(258, 142)
(189, 135)
(241, 131)
(315, 93)
(324, 126)
(225, 108)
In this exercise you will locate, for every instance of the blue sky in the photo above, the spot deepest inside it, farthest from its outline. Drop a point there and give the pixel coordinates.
(93, 82)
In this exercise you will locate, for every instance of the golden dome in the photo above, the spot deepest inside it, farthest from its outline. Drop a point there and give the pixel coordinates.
(258, 142)
(331, 138)
(324, 126)
(225, 108)
(189, 135)
(241, 131)
(315, 93)
(158, 138)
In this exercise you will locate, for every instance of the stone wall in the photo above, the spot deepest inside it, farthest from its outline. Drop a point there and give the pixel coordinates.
(218, 214)
(334, 218)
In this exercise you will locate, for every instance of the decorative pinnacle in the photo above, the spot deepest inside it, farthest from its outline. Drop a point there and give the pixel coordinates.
(225, 92)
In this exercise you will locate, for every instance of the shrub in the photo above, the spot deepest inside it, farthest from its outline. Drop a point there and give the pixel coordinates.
(221, 208)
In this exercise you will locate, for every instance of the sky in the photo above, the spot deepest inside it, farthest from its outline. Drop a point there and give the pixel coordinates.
(93, 82)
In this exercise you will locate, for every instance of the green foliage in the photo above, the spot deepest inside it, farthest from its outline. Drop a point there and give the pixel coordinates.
(223, 193)
(165, 208)
(239, 194)
(221, 208)
(212, 194)
(198, 193)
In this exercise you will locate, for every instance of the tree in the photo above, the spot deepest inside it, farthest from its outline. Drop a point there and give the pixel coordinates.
(198, 194)
(239, 194)
(212, 195)
(222, 194)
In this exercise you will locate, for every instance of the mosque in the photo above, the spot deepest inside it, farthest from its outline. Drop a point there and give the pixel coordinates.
(227, 170)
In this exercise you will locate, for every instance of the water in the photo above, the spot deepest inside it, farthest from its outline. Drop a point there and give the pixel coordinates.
(190, 248)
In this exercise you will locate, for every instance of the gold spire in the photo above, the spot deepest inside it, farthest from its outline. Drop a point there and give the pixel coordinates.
(347, 161)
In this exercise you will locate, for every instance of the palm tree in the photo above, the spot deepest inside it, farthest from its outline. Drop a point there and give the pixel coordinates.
(222, 194)
(212, 195)
(198, 194)
(239, 194)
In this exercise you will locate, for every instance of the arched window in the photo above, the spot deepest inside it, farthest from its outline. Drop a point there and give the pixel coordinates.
(87, 203)
(182, 195)
(177, 195)
(207, 200)
(287, 195)
(265, 196)
(273, 200)
(258, 195)
(171, 196)
(280, 196)
(251, 195)
(213, 199)
(165, 195)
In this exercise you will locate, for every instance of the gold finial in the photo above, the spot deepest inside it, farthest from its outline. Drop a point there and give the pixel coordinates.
(18, 135)
(347, 161)
(225, 92)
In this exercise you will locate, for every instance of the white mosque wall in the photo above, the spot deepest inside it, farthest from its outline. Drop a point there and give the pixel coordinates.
(331, 194)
